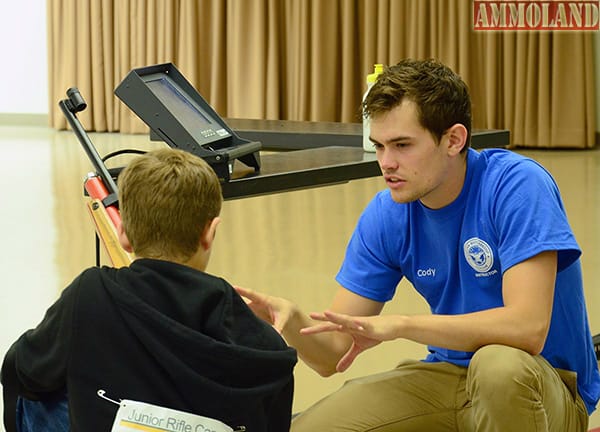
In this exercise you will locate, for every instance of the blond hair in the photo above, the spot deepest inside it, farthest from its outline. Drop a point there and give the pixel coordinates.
(167, 198)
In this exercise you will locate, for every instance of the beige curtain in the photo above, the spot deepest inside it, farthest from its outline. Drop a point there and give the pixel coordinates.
(308, 59)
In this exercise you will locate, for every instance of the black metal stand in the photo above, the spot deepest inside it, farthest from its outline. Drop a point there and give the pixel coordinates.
(70, 106)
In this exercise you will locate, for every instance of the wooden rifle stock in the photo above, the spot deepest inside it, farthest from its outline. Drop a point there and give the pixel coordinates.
(107, 234)
(106, 219)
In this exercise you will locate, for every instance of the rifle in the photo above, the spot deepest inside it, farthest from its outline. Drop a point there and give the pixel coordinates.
(99, 186)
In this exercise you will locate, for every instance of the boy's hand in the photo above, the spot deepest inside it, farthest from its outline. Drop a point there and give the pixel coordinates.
(274, 310)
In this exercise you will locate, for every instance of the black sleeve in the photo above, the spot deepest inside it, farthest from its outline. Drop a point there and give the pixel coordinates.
(35, 366)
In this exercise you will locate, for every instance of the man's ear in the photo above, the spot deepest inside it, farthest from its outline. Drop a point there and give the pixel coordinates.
(209, 233)
(123, 239)
(457, 138)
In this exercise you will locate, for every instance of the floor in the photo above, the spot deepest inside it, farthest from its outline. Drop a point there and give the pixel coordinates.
(287, 244)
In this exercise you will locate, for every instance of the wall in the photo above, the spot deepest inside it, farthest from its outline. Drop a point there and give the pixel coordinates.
(23, 43)
(23, 81)
(597, 66)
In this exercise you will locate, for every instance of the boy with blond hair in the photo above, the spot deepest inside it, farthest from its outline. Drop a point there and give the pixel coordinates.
(161, 331)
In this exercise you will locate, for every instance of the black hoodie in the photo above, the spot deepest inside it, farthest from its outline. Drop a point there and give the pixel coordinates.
(154, 332)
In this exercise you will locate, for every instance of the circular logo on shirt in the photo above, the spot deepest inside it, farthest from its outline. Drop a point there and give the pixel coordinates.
(478, 254)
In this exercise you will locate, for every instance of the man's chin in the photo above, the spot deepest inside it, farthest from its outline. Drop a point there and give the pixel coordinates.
(402, 198)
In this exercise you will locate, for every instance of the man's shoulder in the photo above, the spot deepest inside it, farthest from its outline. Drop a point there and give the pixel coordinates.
(505, 159)
(507, 165)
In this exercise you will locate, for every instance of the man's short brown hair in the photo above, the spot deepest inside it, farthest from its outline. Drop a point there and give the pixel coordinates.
(441, 96)
(167, 197)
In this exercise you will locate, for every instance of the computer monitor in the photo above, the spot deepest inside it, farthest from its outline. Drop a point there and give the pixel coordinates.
(177, 114)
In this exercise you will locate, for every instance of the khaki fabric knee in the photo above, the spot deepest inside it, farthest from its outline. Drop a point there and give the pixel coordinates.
(416, 396)
(504, 389)
(510, 390)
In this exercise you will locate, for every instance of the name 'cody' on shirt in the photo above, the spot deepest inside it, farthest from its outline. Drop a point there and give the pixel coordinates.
(430, 272)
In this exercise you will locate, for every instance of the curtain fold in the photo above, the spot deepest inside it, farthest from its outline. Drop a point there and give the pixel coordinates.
(308, 60)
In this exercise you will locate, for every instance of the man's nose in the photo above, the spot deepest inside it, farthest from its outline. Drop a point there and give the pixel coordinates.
(386, 159)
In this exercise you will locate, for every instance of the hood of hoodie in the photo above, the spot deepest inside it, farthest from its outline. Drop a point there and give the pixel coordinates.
(200, 330)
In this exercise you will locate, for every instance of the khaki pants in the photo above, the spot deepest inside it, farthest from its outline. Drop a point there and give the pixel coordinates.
(504, 389)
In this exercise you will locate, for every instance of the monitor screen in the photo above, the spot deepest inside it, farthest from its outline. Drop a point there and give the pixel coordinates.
(178, 115)
(187, 112)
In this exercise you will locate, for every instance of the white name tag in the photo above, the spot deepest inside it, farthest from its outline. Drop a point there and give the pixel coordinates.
(139, 416)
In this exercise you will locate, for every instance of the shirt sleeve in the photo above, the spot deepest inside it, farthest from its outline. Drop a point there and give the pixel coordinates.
(367, 269)
(36, 364)
(531, 218)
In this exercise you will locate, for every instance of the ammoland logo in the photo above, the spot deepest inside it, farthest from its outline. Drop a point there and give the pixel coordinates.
(536, 15)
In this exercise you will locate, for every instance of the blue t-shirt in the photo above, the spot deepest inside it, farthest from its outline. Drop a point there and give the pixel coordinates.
(509, 210)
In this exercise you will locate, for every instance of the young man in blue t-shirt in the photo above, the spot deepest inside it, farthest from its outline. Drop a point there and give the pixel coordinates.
(484, 238)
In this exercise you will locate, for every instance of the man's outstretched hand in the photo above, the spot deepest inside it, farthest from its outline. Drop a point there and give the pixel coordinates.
(366, 332)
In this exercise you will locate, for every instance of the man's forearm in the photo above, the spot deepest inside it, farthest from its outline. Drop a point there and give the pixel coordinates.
(469, 332)
(319, 351)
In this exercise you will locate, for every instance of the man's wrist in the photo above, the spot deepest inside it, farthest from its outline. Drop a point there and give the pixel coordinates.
(401, 323)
